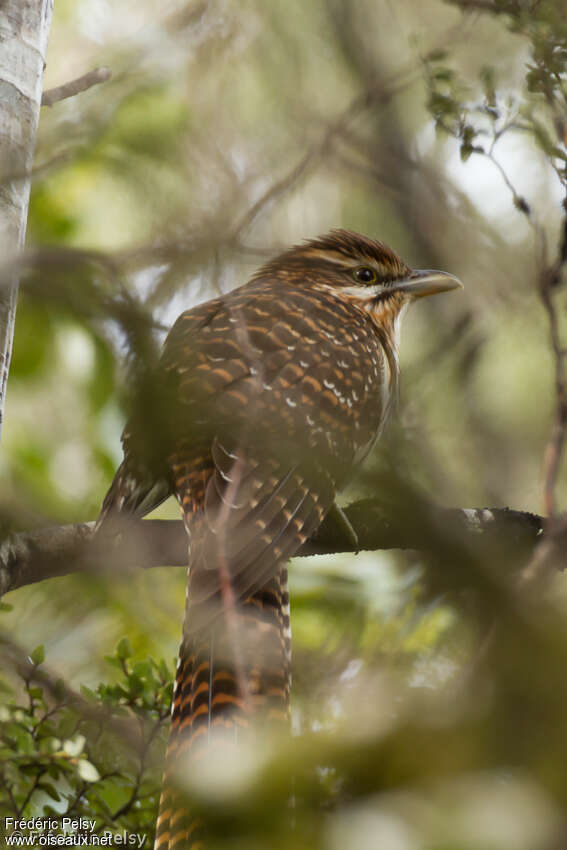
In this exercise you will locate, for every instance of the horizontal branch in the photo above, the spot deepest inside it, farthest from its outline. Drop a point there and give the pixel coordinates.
(30, 557)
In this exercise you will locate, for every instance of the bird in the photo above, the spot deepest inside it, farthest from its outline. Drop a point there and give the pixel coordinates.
(266, 400)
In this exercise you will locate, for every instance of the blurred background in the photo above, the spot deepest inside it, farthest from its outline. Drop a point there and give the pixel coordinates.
(227, 132)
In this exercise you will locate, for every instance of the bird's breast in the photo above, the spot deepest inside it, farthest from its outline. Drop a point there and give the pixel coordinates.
(303, 365)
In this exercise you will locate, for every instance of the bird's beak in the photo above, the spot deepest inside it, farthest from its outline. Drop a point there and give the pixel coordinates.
(422, 282)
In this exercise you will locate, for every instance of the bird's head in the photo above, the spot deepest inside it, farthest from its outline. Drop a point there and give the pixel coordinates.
(358, 268)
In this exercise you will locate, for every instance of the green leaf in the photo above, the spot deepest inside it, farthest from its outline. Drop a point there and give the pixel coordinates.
(24, 742)
(36, 693)
(88, 693)
(66, 725)
(164, 671)
(38, 655)
(143, 669)
(54, 770)
(124, 649)
(49, 790)
(135, 685)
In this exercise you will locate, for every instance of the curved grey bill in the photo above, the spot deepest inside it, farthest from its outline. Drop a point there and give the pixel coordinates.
(424, 282)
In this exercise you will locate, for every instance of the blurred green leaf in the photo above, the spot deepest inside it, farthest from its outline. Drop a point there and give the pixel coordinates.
(33, 340)
(124, 649)
(38, 656)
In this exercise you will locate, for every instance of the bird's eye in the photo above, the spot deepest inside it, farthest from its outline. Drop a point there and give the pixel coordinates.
(364, 274)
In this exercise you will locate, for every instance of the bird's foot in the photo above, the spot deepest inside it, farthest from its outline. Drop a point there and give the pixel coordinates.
(342, 522)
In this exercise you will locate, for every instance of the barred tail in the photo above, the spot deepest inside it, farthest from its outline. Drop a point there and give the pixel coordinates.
(231, 676)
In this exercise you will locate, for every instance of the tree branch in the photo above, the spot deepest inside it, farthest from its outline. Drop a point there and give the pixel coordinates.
(30, 557)
(73, 87)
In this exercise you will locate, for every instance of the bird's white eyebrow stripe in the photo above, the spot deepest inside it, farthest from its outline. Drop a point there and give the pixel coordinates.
(363, 291)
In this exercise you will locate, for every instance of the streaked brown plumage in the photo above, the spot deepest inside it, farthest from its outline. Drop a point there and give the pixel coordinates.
(270, 396)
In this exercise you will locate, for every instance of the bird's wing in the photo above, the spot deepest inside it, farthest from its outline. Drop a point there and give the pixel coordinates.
(143, 480)
(135, 490)
(277, 413)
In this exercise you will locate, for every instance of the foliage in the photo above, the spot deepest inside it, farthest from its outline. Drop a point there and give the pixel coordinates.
(536, 108)
(97, 757)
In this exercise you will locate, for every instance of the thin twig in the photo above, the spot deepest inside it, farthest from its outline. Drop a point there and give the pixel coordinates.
(373, 94)
(548, 278)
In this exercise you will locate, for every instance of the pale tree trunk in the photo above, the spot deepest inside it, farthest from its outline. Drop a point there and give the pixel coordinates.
(24, 31)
